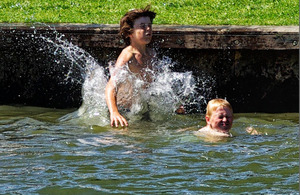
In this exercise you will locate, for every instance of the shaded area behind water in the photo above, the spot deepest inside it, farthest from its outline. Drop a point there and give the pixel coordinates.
(40, 154)
(35, 72)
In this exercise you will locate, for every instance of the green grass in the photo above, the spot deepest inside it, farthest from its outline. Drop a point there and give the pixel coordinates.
(183, 12)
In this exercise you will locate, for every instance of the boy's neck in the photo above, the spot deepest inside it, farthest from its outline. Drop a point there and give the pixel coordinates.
(142, 49)
(216, 130)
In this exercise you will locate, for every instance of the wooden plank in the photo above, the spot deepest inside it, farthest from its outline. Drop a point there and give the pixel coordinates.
(259, 42)
(167, 36)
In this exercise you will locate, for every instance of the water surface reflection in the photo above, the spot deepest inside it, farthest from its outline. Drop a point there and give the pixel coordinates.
(39, 154)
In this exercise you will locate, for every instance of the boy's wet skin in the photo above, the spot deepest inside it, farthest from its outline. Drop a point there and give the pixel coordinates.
(136, 30)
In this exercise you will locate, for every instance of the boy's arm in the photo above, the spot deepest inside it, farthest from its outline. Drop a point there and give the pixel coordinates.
(110, 96)
(110, 92)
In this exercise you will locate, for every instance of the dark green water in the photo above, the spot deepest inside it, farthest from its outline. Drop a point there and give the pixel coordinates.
(40, 155)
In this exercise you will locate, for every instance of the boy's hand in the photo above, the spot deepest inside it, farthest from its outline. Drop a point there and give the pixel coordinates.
(252, 131)
(116, 118)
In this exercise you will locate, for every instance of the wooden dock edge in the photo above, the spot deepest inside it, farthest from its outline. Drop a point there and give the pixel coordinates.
(171, 36)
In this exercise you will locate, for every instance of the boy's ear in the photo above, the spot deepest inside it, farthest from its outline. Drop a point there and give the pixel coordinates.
(207, 119)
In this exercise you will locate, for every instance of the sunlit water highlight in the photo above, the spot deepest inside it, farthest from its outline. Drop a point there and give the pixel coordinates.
(40, 154)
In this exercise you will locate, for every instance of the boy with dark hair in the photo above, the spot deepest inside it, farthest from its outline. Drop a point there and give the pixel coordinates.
(136, 30)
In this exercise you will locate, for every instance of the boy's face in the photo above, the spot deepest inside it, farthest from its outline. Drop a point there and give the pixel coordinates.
(221, 119)
(142, 31)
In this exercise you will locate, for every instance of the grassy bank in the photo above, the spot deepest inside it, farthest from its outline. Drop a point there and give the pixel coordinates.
(192, 12)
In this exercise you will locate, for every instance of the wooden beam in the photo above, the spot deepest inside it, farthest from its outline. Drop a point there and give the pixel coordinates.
(167, 36)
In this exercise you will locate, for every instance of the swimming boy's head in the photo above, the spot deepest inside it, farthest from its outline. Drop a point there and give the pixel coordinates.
(127, 22)
(219, 115)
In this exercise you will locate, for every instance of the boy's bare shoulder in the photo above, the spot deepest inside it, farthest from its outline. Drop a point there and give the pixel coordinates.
(205, 131)
(125, 56)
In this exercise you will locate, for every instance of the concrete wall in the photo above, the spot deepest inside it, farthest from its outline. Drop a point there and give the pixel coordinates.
(256, 68)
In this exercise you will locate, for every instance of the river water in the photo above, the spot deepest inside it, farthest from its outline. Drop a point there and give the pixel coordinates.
(40, 154)
(75, 151)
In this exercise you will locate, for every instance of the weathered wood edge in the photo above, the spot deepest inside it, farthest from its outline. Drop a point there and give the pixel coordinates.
(171, 36)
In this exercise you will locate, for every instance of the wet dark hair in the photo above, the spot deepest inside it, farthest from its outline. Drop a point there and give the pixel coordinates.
(126, 23)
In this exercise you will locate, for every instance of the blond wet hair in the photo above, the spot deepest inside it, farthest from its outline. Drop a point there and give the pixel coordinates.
(216, 103)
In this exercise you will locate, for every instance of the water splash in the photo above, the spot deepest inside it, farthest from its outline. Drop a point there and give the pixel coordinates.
(84, 69)
(156, 102)
(80, 62)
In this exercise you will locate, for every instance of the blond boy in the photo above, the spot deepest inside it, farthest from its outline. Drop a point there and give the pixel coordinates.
(219, 119)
